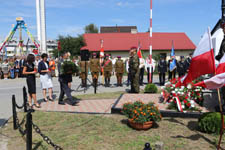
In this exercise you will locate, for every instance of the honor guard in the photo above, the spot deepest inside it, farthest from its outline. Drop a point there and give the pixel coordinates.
(95, 67)
(134, 70)
(162, 69)
(181, 67)
(119, 68)
(83, 72)
(222, 46)
(107, 66)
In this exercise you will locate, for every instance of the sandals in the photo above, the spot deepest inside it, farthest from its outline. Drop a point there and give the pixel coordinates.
(45, 100)
(50, 99)
(37, 105)
(29, 104)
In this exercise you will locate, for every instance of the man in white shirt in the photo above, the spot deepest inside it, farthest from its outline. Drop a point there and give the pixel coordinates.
(147, 66)
(142, 70)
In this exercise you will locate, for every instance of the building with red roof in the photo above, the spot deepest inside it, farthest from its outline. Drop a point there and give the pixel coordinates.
(120, 43)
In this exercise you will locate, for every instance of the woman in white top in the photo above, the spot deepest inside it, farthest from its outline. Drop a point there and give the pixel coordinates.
(45, 77)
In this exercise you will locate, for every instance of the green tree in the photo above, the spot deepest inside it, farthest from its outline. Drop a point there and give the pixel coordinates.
(70, 44)
(91, 28)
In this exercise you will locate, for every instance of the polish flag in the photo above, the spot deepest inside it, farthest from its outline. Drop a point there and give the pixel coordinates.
(139, 51)
(203, 61)
(101, 50)
(216, 81)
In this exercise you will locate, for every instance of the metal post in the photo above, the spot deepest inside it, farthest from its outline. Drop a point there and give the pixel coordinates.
(14, 112)
(223, 10)
(25, 99)
(29, 130)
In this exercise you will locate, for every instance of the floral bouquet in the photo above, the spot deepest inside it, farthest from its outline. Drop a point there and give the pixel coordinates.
(140, 113)
(68, 67)
(182, 98)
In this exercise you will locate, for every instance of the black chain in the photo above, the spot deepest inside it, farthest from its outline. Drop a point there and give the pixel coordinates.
(20, 107)
(19, 125)
(45, 138)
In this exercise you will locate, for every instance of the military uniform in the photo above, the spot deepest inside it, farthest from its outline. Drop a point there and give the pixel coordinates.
(134, 73)
(83, 72)
(162, 69)
(107, 65)
(119, 69)
(95, 68)
(181, 68)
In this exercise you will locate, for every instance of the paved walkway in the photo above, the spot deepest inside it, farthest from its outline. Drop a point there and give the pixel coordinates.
(84, 106)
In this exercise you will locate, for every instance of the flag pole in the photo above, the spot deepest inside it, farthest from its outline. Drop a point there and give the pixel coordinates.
(102, 59)
(150, 45)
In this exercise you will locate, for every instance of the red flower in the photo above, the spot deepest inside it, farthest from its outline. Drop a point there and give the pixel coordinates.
(188, 104)
(185, 101)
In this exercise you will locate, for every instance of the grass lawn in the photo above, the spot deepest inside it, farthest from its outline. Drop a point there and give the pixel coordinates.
(109, 132)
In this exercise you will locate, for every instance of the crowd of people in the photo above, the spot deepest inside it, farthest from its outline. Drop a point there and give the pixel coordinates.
(46, 67)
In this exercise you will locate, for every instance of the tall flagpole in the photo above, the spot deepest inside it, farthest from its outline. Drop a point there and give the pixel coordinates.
(150, 45)
(102, 59)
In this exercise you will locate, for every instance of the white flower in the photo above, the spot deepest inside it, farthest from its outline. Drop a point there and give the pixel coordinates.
(163, 87)
(161, 93)
(176, 89)
(189, 86)
(182, 106)
(167, 83)
(182, 87)
(178, 92)
(174, 85)
(173, 92)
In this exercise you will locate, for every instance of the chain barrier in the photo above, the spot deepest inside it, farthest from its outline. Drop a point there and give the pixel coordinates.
(46, 138)
(20, 107)
(19, 125)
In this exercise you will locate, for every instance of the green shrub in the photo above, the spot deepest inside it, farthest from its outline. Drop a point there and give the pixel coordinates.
(151, 88)
(210, 122)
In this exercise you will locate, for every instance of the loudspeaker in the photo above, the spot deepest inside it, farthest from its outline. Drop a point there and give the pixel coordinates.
(84, 55)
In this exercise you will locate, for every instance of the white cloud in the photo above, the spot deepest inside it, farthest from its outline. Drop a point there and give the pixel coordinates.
(128, 4)
(72, 30)
(117, 20)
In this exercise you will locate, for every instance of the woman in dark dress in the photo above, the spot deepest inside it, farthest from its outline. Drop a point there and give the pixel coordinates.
(29, 70)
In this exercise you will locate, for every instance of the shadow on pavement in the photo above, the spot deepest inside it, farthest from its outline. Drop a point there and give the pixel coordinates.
(2, 122)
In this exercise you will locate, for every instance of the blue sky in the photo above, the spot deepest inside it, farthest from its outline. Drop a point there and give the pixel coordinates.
(68, 17)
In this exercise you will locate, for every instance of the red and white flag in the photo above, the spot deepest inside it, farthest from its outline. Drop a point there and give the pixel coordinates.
(216, 81)
(203, 61)
(139, 51)
(102, 50)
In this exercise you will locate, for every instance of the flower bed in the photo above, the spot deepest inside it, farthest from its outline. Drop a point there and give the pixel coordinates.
(182, 98)
(140, 113)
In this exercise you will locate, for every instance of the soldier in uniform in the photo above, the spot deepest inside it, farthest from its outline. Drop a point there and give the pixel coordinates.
(222, 46)
(107, 66)
(181, 67)
(95, 67)
(83, 72)
(162, 69)
(187, 62)
(134, 70)
(119, 68)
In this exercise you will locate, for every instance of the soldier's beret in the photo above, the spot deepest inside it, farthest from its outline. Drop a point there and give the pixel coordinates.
(118, 56)
(107, 55)
(181, 57)
(94, 54)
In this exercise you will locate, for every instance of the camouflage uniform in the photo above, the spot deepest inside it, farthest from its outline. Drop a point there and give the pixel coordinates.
(134, 69)
(107, 65)
(83, 72)
(95, 68)
(119, 69)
